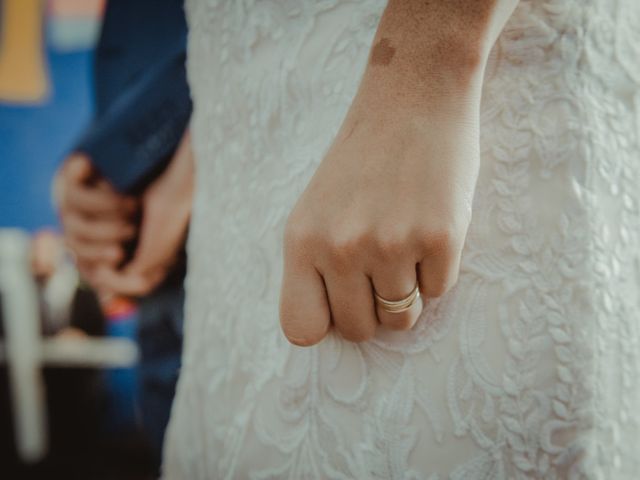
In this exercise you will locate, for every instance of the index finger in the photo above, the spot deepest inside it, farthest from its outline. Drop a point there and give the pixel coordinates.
(305, 316)
(89, 200)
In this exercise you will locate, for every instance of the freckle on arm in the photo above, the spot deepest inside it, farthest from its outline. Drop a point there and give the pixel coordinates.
(382, 52)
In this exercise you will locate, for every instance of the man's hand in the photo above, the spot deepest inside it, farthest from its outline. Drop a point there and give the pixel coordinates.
(95, 218)
(166, 209)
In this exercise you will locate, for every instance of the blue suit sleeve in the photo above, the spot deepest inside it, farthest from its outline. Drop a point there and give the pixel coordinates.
(132, 140)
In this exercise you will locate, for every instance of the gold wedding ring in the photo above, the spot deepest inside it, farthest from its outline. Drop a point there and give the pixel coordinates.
(397, 306)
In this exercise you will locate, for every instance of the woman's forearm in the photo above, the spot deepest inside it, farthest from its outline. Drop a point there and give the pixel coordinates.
(432, 52)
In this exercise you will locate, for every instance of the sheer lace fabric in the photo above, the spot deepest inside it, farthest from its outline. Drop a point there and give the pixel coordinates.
(528, 368)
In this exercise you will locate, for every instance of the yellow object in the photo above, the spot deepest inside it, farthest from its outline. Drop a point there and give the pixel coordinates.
(23, 75)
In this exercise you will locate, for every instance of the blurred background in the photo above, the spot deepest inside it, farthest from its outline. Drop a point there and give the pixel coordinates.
(69, 385)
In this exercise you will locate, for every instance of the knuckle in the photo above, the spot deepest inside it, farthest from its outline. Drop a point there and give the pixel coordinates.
(297, 236)
(391, 245)
(443, 241)
(343, 248)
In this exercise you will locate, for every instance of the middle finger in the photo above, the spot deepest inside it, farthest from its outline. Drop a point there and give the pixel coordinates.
(351, 304)
(97, 229)
(97, 201)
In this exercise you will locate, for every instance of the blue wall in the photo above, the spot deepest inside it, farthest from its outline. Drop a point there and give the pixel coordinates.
(34, 139)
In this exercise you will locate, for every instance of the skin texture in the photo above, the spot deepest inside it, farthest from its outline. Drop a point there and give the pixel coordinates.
(390, 203)
(166, 210)
(46, 253)
(382, 52)
(97, 221)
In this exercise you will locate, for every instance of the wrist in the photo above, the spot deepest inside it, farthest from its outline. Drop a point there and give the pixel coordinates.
(429, 54)
(172, 204)
(450, 85)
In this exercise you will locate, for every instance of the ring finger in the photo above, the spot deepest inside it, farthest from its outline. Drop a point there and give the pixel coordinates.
(94, 230)
(393, 283)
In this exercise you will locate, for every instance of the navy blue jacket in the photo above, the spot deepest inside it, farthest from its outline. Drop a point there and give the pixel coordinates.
(141, 93)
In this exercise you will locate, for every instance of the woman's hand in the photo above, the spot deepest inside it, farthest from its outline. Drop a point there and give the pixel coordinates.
(390, 203)
(388, 206)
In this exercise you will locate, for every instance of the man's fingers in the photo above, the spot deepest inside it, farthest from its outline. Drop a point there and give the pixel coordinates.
(79, 190)
(78, 169)
(94, 252)
(159, 240)
(97, 202)
(129, 282)
(304, 310)
(83, 229)
(87, 272)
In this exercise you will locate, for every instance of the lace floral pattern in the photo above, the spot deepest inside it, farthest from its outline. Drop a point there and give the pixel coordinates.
(528, 368)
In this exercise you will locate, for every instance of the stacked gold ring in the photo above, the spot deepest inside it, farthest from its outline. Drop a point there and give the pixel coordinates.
(397, 306)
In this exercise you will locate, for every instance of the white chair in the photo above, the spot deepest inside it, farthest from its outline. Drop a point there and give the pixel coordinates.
(26, 352)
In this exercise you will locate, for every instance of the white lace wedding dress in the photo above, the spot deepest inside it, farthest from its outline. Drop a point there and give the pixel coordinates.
(528, 368)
